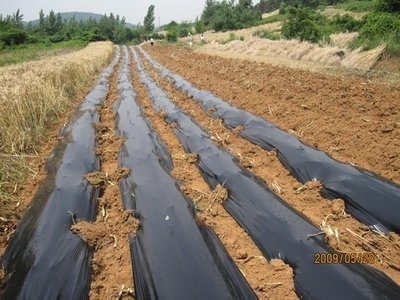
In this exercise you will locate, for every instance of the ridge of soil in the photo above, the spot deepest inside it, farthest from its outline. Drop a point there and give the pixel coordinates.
(108, 236)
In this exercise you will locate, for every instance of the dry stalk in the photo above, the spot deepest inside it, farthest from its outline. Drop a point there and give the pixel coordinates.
(334, 148)
(125, 292)
(114, 237)
(221, 140)
(271, 111)
(378, 253)
(73, 216)
(327, 230)
(218, 192)
(276, 187)
(301, 189)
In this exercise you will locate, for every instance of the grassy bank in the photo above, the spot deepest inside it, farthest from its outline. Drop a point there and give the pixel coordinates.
(34, 94)
(23, 53)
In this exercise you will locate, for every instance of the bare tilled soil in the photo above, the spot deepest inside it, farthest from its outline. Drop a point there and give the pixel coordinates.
(352, 118)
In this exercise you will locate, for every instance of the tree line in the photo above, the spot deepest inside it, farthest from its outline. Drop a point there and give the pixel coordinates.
(301, 19)
(53, 28)
(218, 16)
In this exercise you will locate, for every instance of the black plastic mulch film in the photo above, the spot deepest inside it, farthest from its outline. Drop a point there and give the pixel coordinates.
(44, 259)
(278, 230)
(370, 198)
(174, 256)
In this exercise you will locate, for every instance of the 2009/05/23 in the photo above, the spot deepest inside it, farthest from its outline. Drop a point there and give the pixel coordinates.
(345, 258)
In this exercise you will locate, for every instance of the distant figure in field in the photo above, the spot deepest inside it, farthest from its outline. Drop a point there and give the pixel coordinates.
(190, 39)
(151, 41)
(202, 39)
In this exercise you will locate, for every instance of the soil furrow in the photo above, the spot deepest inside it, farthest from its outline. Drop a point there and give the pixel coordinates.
(108, 235)
(304, 198)
(267, 280)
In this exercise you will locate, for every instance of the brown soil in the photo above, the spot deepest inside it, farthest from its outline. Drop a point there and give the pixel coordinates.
(354, 118)
(307, 104)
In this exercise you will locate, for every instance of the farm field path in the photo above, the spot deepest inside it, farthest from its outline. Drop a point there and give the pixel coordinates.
(354, 119)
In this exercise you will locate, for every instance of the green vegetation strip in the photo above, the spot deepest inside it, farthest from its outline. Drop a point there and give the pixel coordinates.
(23, 53)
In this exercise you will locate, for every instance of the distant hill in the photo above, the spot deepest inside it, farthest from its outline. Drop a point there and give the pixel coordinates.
(79, 16)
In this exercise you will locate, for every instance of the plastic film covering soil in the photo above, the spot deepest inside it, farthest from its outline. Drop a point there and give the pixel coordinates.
(173, 256)
(275, 227)
(370, 198)
(44, 259)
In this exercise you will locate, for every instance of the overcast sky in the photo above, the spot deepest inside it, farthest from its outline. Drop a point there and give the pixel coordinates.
(134, 10)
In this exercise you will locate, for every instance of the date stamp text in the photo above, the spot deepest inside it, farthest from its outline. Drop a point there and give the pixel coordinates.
(345, 258)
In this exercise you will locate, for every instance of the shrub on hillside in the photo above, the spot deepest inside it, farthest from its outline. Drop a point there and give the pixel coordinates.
(346, 23)
(199, 27)
(380, 26)
(14, 36)
(172, 36)
(58, 38)
(302, 24)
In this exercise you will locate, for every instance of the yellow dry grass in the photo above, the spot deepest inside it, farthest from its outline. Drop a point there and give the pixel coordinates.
(343, 39)
(333, 54)
(331, 11)
(292, 49)
(363, 60)
(247, 33)
(34, 93)
(270, 14)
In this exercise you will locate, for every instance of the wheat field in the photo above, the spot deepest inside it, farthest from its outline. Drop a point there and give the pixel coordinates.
(33, 94)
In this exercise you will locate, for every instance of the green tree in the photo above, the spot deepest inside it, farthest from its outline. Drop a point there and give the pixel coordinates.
(199, 26)
(11, 30)
(246, 14)
(380, 25)
(148, 23)
(51, 20)
(14, 36)
(301, 23)
(226, 15)
(208, 12)
(346, 22)
(17, 19)
(265, 6)
(59, 22)
(41, 18)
